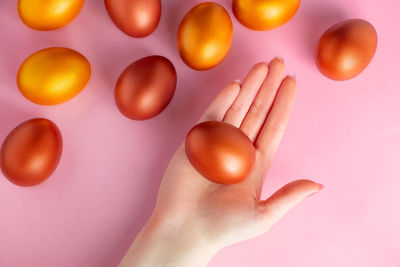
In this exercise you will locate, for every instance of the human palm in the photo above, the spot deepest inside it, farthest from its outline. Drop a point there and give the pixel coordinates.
(226, 214)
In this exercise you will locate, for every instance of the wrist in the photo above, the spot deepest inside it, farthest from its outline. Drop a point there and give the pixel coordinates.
(169, 243)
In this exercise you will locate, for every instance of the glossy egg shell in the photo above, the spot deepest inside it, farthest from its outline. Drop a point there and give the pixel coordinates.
(220, 152)
(31, 152)
(264, 15)
(47, 15)
(346, 49)
(204, 36)
(136, 18)
(53, 75)
(145, 88)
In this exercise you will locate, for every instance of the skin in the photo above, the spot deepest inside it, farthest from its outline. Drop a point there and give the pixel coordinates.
(194, 218)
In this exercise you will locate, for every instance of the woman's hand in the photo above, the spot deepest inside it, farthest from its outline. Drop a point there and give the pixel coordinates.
(194, 217)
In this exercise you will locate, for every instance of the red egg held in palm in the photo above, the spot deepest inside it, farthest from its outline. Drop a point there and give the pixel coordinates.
(220, 152)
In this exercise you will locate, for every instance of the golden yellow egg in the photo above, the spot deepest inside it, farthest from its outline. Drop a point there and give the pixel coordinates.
(205, 36)
(47, 15)
(264, 15)
(53, 75)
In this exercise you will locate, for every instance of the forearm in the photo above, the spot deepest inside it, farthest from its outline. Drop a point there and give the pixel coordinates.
(160, 244)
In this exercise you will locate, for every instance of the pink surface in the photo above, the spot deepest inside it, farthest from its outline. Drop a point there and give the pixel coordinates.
(345, 135)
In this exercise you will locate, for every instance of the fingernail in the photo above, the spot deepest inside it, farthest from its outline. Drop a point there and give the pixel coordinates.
(281, 58)
(292, 75)
(321, 186)
(237, 81)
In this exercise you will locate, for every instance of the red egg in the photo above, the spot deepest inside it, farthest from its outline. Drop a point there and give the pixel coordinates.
(346, 49)
(145, 88)
(220, 152)
(31, 152)
(137, 18)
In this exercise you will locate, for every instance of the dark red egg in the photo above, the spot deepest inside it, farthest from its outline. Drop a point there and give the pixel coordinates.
(346, 49)
(31, 152)
(145, 88)
(220, 152)
(136, 18)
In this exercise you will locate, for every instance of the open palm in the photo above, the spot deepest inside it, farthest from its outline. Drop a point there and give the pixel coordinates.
(225, 214)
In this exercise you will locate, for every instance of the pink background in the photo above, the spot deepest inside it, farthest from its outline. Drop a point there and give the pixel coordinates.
(345, 135)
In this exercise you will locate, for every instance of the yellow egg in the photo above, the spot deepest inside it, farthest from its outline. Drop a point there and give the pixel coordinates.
(264, 15)
(205, 36)
(53, 75)
(47, 15)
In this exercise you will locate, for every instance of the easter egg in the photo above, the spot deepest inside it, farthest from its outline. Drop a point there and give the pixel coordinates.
(346, 49)
(145, 88)
(264, 15)
(31, 152)
(53, 75)
(136, 18)
(204, 36)
(47, 15)
(220, 152)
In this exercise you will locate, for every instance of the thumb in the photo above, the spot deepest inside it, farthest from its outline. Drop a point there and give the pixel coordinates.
(286, 198)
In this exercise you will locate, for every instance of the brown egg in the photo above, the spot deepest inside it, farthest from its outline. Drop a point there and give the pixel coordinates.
(145, 88)
(45, 15)
(264, 15)
(220, 152)
(205, 36)
(31, 152)
(346, 49)
(137, 18)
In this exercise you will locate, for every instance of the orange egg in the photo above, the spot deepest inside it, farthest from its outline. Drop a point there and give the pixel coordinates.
(205, 36)
(31, 152)
(145, 88)
(47, 15)
(220, 152)
(136, 18)
(53, 75)
(346, 49)
(264, 15)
